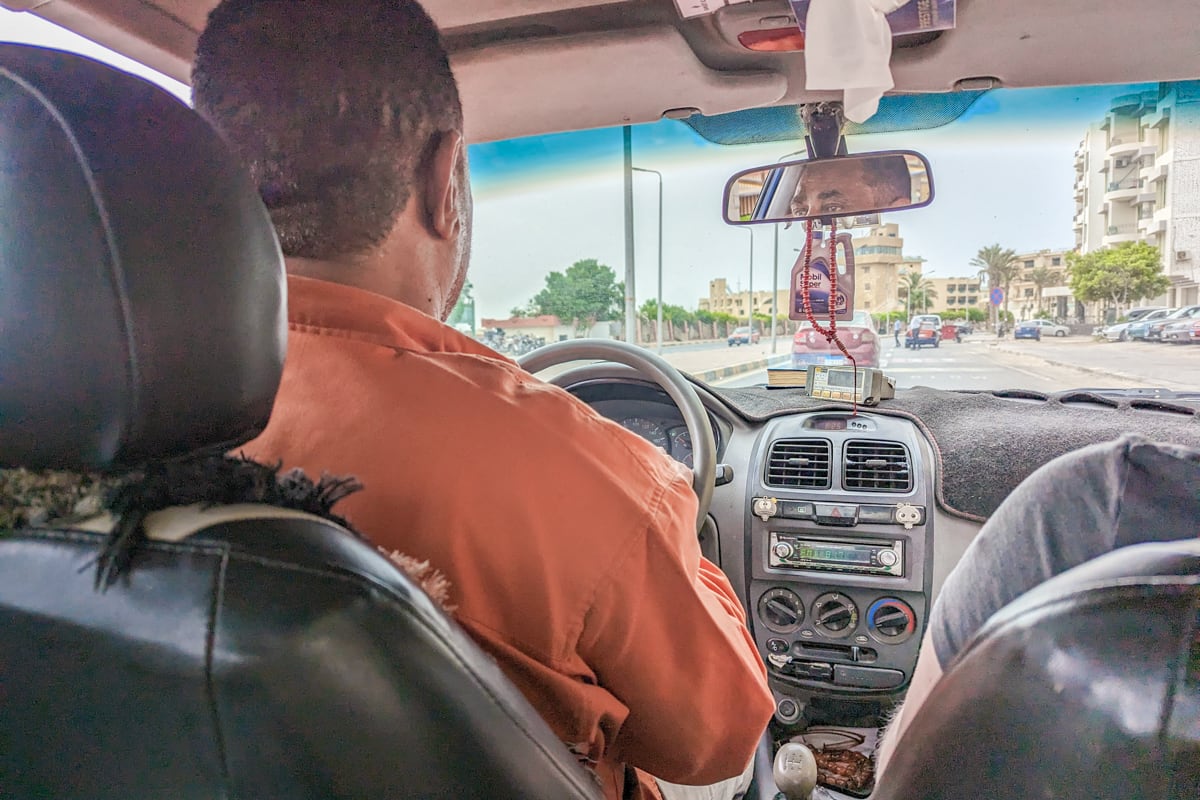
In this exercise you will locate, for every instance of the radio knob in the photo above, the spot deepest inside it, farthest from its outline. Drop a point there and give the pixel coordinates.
(887, 558)
(784, 550)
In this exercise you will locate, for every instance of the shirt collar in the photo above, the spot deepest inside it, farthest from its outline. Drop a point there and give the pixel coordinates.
(325, 304)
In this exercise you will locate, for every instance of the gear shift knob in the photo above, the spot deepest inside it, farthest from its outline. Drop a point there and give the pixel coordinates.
(795, 771)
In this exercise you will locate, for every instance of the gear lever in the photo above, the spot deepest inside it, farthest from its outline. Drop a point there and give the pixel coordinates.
(795, 771)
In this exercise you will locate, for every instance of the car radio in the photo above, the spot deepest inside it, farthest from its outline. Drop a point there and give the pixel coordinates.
(859, 556)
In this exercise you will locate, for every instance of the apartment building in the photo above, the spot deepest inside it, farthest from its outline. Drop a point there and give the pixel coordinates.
(723, 301)
(878, 260)
(1040, 288)
(952, 294)
(1136, 178)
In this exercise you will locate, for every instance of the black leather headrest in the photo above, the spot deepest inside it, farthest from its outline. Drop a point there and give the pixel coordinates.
(1086, 687)
(142, 291)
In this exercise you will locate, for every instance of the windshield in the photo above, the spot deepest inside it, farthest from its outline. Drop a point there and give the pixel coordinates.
(1066, 205)
(1057, 205)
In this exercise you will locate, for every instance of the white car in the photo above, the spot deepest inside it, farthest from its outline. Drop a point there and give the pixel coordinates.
(1049, 328)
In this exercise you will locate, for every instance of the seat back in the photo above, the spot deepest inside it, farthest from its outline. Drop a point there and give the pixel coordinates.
(1086, 687)
(248, 651)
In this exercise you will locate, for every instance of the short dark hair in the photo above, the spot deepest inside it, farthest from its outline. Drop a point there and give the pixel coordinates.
(334, 105)
(888, 175)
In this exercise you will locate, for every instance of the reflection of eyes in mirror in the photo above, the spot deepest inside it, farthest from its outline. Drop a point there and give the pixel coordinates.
(829, 188)
(835, 187)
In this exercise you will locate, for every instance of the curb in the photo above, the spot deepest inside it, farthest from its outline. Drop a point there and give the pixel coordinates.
(734, 370)
(1112, 373)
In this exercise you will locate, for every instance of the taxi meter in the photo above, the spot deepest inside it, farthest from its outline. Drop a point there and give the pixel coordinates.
(867, 388)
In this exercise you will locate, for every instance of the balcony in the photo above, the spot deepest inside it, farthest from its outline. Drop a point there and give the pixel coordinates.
(1116, 234)
(1133, 148)
(1126, 104)
(1127, 190)
(1149, 226)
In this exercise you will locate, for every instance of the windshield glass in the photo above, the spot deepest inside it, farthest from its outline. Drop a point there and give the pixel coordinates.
(1036, 191)
(1067, 205)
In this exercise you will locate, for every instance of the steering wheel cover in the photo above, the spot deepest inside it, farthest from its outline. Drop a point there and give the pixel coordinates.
(653, 368)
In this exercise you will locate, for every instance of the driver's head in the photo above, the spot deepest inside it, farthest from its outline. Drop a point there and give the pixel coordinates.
(840, 187)
(349, 119)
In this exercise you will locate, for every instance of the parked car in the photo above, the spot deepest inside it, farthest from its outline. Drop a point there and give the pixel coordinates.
(1029, 329)
(743, 335)
(1049, 328)
(858, 335)
(1155, 331)
(1184, 332)
(1140, 327)
(1139, 320)
(923, 330)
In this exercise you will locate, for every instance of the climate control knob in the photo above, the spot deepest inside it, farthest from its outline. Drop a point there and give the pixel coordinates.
(891, 620)
(781, 610)
(835, 615)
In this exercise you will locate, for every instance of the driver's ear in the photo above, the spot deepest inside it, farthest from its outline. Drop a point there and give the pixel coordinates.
(441, 196)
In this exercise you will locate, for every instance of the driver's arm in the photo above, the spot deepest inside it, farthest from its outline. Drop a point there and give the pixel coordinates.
(666, 635)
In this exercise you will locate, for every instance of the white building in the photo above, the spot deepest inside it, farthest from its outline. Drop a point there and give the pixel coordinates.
(1137, 178)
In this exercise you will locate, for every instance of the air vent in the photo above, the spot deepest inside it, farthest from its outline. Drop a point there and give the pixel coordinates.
(876, 467)
(799, 464)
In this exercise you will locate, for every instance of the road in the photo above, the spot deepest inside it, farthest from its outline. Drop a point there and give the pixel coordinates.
(974, 365)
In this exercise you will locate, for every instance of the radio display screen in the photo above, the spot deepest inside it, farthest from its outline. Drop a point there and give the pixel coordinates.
(791, 551)
(837, 554)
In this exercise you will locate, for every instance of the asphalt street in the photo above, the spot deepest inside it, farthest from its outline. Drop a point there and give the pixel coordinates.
(974, 364)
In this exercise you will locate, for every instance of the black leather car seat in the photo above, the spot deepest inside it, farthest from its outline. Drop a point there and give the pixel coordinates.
(1087, 687)
(250, 651)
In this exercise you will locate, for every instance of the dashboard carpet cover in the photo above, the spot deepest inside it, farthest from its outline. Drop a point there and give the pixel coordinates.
(987, 443)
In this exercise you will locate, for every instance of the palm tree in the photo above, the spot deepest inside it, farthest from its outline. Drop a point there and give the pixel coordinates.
(917, 289)
(997, 267)
(1043, 277)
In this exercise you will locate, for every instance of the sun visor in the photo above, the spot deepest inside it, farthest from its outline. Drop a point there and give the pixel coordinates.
(594, 79)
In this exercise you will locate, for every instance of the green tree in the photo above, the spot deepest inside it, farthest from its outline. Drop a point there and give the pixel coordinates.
(917, 291)
(676, 315)
(586, 292)
(1117, 276)
(997, 267)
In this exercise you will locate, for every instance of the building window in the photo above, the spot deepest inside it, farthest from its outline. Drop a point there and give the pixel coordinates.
(972, 301)
(949, 301)
(1028, 265)
(1029, 292)
(866, 270)
(1056, 261)
(962, 301)
(974, 288)
(866, 286)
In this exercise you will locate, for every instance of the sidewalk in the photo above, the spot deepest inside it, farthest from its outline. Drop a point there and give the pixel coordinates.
(725, 362)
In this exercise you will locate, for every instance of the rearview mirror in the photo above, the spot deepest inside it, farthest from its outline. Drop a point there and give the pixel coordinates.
(823, 188)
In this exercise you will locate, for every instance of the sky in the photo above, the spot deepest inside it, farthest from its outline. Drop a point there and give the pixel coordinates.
(1003, 173)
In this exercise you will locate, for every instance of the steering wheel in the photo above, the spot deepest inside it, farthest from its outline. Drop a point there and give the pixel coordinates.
(670, 380)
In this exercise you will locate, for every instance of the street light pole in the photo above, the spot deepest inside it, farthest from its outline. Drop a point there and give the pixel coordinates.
(775, 294)
(630, 272)
(750, 294)
(660, 253)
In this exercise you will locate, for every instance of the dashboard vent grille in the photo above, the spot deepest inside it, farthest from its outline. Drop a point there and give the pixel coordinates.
(799, 464)
(876, 467)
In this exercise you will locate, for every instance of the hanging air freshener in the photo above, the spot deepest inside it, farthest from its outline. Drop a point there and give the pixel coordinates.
(820, 262)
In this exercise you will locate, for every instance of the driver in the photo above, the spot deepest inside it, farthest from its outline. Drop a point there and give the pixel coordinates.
(569, 544)
(851, 186)
(1075, 508)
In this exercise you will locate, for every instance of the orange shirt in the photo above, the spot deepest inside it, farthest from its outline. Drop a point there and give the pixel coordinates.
(569, 543)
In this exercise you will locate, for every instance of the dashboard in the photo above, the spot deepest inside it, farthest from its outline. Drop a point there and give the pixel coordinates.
(826, 531)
